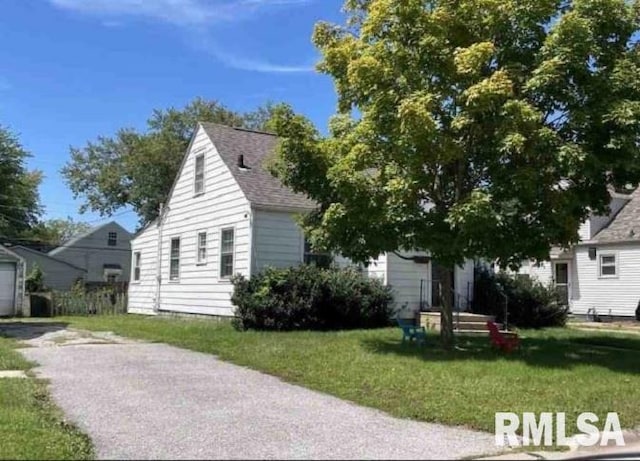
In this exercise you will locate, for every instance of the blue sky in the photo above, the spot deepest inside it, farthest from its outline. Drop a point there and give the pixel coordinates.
(72, 70)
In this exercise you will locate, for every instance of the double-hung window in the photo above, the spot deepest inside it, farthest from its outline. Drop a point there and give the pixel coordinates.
(174, 256)
(137, 258)
(608, 265)
(202, 247)
(112, 239)
(226, 252)
(315, 258)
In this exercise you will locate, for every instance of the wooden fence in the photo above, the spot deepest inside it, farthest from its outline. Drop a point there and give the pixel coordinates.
(103, 302)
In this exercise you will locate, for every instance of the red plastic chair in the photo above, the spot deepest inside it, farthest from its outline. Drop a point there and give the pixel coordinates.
(501, 341)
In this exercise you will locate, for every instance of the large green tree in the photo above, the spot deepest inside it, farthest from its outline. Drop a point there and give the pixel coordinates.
(19, 199)
(468, 128)
(137, 169)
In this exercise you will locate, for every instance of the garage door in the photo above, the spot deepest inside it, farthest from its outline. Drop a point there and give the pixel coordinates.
(7, 288)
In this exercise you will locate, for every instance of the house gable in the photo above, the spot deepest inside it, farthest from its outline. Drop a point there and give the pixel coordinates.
(92, 250)
(194, 285)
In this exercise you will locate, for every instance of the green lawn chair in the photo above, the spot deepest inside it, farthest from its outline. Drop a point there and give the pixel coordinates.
(410, 332)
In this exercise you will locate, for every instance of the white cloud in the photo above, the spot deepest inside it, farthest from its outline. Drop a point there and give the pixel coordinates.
(178, 12)
(256, 65)
(193, 15)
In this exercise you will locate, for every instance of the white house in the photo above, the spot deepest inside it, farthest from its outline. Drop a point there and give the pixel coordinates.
(601, 274)
(226, 214)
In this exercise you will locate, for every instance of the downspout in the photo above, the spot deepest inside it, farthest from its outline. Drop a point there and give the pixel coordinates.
(161, 213)
(251, 246)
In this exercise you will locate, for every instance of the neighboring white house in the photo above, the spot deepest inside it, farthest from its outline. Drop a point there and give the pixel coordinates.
(12, 274)
(601, 274)
(225, 215)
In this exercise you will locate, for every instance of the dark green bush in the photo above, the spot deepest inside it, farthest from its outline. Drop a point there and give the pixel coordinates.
(310, 298)
(530, 303)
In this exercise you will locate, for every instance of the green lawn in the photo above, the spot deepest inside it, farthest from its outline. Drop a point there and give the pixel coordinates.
(31, 427)
(557, 370)
(10, 359)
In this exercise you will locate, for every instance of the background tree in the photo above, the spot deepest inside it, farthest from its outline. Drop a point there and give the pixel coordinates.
(468, 128)
(19, 199)
(55, 232)
(137, 169)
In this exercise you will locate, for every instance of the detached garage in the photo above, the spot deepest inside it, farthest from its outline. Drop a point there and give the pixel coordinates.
(12, 269)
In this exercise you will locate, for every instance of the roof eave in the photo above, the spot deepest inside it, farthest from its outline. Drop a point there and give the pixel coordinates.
(285, 208)
(609, 242)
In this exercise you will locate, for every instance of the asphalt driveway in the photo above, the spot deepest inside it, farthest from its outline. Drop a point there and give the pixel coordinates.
(139, 400)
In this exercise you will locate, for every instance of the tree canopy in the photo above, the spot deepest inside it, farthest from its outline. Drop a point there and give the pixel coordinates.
(468, 128)
(57, 231)
(137, 169)
(19, 199)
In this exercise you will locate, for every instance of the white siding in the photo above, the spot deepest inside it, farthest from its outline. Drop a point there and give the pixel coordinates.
(464, 277)
(142, 293)
(540, 272)
(199, 289)
(616, 296)
(277, 240)
(404, 277)
(584, 231)
(377, 268)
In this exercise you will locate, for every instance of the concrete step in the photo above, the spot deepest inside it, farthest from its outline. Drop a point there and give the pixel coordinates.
(471, 332)
(468, 317)
(471, 325)
(462, 316)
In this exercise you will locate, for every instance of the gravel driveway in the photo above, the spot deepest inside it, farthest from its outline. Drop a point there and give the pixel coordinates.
(147, 401)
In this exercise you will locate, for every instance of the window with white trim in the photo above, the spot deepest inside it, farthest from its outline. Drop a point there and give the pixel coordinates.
(137, 257)
(202, 247)
(608, 265)
(226, 252)
(174, 256)
(112, 239)
(198, 185)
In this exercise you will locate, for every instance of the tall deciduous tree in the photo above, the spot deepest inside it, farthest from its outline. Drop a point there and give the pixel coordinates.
(468, 128)
(137, 169)
(19, 199)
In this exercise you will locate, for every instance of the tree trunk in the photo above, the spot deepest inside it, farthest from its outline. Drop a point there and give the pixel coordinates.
(446, 314)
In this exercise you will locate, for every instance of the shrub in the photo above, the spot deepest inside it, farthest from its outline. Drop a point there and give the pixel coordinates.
(530, 303)
(34, 282)
(310, 298)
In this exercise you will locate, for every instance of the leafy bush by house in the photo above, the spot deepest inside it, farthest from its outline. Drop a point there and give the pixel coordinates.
(310, 298)
(530, 303)
(34, 282)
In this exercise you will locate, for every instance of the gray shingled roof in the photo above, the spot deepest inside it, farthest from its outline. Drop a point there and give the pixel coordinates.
(625, 226)
(258, 185)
